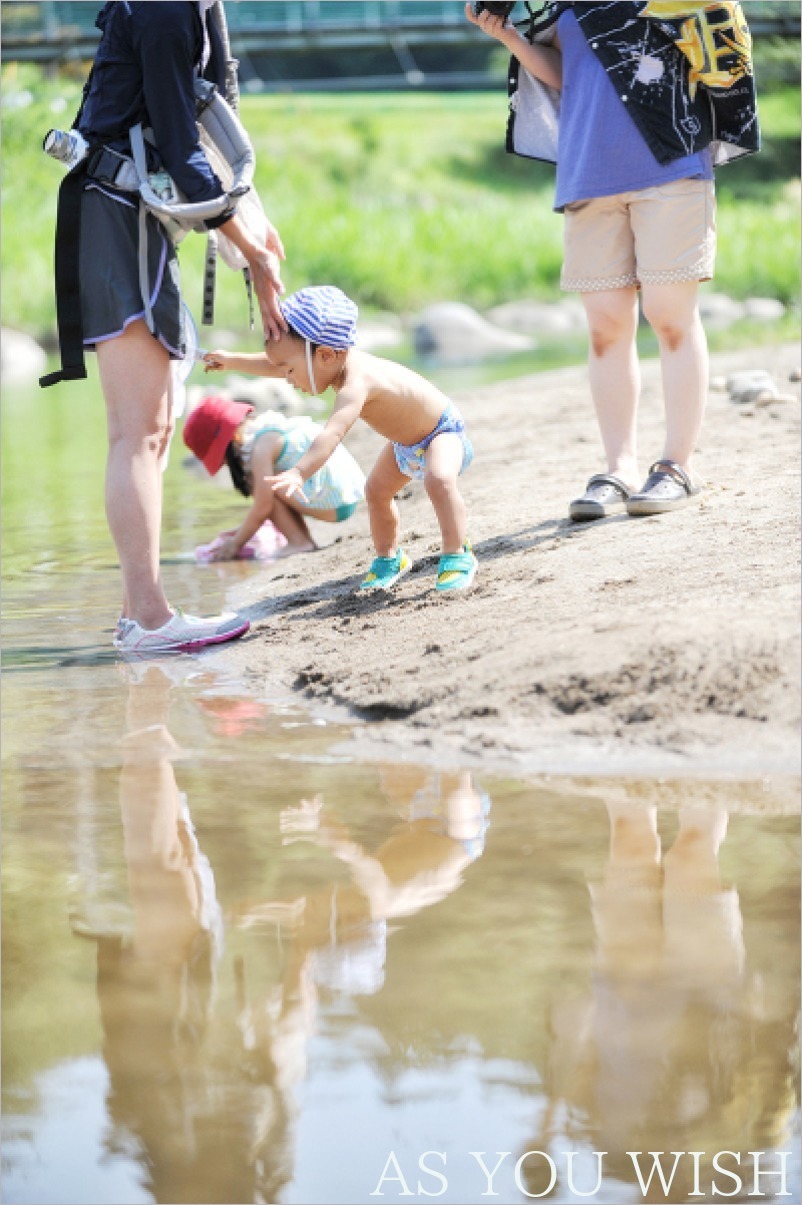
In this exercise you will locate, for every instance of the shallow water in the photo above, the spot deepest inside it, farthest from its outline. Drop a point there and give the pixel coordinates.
(239, 968)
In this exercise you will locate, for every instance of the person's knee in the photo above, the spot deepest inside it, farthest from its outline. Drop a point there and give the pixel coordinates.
(670, 331)
(149, 436)
(168, 430)
(439, 483)
(671, 323)
(377, 494)
(608, 327)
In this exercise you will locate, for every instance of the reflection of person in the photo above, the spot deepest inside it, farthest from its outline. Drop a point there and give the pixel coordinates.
(670, 1049)
(335, 937)
(144, 72)
(156, 975)
(635, 183)
(425, 432)
(421, 862)
(255, 447)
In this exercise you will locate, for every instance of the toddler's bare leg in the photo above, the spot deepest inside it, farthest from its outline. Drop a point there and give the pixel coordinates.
(615, 376)
(443, 463)
(384, 482)
(673, 313)
(284, 515)
(292, 525)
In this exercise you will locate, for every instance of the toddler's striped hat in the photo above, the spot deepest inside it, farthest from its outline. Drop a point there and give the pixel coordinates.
(323, 314)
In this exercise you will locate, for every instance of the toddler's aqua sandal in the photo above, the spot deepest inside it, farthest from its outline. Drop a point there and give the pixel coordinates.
(386, 570)
(457, 570)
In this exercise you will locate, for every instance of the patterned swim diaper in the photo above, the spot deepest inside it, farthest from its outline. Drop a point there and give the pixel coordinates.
(410, 458)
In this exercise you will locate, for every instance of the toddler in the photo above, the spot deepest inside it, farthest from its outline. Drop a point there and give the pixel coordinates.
(255, 446)
(425, 432)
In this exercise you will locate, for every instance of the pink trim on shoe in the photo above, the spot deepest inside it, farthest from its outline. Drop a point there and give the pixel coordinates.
(177, 635)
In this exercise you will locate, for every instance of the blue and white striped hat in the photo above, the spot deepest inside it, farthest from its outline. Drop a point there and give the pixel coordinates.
(323, 314)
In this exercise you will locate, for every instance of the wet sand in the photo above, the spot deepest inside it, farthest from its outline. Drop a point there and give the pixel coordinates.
(660, 645)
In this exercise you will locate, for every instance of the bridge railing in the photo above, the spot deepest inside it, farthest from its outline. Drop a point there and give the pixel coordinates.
(59, 29)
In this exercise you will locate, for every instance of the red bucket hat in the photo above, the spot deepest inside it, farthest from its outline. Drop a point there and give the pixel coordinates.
(210, 427)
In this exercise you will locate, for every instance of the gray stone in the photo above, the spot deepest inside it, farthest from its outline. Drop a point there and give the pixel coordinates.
(456, 334)
(764, 309)
(379, 331)
(267, 393)
(719, 311)
(539, 318)
(21, 357)
(745, 388)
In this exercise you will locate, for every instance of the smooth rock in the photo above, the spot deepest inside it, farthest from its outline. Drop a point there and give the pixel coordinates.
(718, 310)
(456, 334)
(764, 309)
(380, 331)
(746, 387)
(539, 318)
(21, 357)
(268, 393)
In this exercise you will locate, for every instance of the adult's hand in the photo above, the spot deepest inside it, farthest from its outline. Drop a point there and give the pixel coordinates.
(487, 22)
(266, 276)
(263, 261)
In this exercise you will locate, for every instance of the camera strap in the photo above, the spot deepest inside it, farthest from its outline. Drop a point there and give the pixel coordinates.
(544, 17)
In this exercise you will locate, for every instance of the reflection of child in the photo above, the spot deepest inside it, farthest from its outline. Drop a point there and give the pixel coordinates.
(448, 804)
(425, 432)
(255, 446)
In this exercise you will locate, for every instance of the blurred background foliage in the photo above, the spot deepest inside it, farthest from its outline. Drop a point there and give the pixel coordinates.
(402, 199)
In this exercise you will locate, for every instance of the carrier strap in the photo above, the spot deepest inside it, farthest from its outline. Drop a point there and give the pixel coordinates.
(209, 279)
(137, 140)
(68, 292)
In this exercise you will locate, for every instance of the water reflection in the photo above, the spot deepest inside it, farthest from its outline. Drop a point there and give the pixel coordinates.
(604, 967)
(198, 1138)
(156, 981)
(677, 1045)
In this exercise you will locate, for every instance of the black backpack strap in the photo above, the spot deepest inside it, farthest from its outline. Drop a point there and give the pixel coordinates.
(68, 289)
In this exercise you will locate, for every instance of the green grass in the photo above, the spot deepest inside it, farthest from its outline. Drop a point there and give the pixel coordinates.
(401, 200)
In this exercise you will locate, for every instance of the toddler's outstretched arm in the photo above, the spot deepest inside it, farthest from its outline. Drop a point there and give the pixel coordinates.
(346, 411)
(255, 364)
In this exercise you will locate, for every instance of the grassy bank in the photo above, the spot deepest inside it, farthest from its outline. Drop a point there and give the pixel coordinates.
(400, 199)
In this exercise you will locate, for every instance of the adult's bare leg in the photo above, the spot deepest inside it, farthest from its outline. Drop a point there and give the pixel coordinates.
(134, 375)
(612, 316)
(673, 312)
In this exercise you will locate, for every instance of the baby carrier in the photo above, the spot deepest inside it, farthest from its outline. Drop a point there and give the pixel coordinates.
(230, 153)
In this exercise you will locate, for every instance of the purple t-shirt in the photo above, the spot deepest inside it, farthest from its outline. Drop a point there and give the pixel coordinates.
(600, 150)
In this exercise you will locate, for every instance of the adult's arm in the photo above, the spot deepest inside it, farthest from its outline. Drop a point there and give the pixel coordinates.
(543, 62)
(167, 38)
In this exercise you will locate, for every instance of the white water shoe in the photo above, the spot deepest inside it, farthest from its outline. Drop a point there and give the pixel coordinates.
(181, 633)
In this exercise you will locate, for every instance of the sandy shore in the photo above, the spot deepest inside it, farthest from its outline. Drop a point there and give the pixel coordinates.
(658, 645)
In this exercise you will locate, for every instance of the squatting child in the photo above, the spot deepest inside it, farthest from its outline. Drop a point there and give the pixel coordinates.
(425, 431)
(254, 446)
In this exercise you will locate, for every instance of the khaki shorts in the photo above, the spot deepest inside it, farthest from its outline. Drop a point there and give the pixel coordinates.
(656, 235)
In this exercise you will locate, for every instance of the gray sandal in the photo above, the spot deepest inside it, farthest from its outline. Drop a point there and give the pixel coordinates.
(605, 495)
(668, 487)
